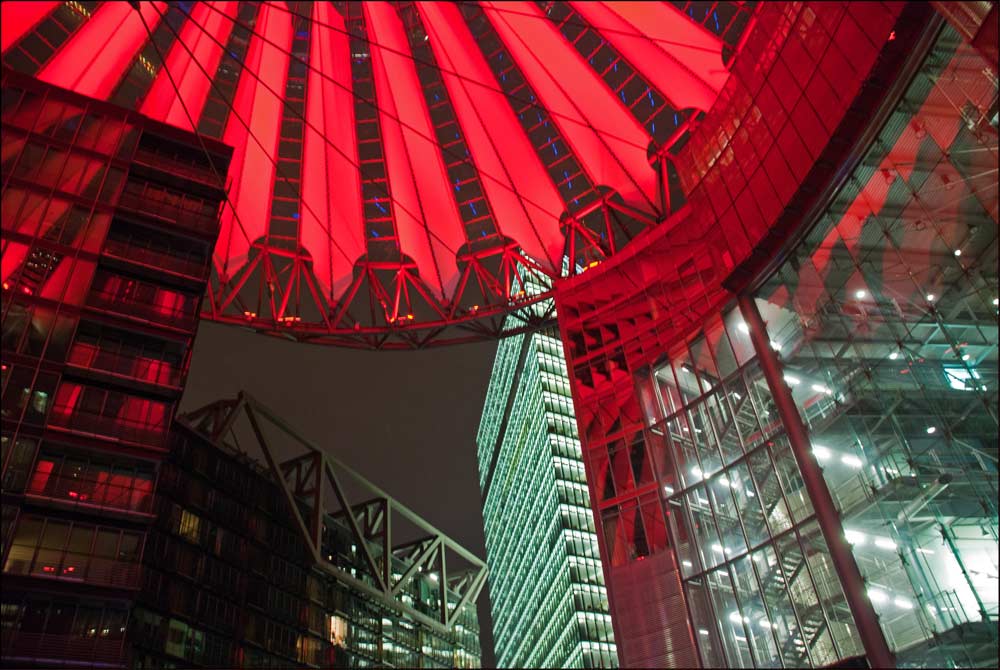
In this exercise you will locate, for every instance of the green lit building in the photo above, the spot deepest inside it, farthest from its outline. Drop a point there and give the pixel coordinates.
(549, 604)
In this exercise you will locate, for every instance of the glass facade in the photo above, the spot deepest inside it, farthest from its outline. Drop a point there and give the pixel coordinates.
(547, 592)
(99, 307)
(757, 576)
(885, 320)
(229, 581)
(727, 386)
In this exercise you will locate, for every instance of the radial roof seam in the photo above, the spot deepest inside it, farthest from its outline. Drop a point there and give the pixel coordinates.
(464, 159)
(582, 7)
(525, 101)
(392, 93)
(649, 38)
(400, 121)
(305, 121)
(439, 43)
(588, 124)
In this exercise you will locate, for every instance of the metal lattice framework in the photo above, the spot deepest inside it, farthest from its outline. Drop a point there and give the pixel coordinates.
(319, 490)
(401, 169)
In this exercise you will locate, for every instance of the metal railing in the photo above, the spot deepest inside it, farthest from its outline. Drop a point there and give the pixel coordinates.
(202, 174)
(179, 318)
(94, 494)
(190, 218)
(73, 567)
(133, 253)
(144, 369)
(79, 421)
(41, 646)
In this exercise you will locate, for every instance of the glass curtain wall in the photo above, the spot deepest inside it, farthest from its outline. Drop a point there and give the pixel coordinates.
(885, 320)
(757, 576)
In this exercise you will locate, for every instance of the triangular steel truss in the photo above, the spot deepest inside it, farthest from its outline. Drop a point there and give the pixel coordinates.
(303, 478)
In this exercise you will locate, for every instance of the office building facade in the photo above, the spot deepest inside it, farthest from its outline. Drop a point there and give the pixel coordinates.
(549, 605)
(229, 581)
(108, 225)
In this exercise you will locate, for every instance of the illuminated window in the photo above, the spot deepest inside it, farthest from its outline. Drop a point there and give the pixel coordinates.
(338, 629)
(190, 526)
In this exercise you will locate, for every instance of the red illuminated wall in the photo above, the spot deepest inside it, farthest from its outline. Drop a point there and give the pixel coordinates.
(809, 79)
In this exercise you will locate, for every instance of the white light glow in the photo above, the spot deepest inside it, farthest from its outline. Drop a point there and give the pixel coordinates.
(894, 355)
(775, 346)
(854, 537)
(751, 494)
(792, 381)
(903, 604)
(877, 596)
(996, 301)
(931, 430)
(737, 395)
(697, 473)
(885, 543)
(723, 480)
(743, 328)
(860, 294)
(669, 490)
(717, 548)
(958, 252)
(702, 631)
(851, 461)
(930, 297)
(921, 550)
(966, 357)
(819, 388)
(687, 564)
(821, 452)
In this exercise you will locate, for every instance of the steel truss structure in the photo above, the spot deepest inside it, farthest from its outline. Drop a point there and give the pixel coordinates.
(402, 169)
(318, 489)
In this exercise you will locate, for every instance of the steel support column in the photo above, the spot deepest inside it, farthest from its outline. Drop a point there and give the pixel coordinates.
(872, 638)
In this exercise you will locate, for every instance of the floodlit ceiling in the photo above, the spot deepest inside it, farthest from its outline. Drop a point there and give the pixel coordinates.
(405, 173)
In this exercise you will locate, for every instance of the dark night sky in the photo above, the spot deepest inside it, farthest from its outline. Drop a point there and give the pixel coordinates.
(405, 420)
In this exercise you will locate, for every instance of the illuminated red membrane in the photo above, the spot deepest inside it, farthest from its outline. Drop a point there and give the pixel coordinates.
(478, 193)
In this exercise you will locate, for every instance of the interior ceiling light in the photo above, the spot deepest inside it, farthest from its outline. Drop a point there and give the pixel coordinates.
(400, 168)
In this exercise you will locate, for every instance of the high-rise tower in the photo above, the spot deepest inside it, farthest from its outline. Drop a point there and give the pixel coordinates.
(547, 591)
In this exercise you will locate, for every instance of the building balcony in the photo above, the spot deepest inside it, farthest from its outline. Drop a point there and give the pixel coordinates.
(133, 254)
(46, 649)
(136, 497)
(149, 206)
(112, 303)
(79, 421)
(72, 568)
(139, 368)
(203, 174)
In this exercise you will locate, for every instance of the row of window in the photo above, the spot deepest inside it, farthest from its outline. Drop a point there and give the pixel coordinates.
(74, 551)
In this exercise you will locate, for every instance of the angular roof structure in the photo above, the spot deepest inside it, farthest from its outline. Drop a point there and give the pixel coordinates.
(399, 167)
